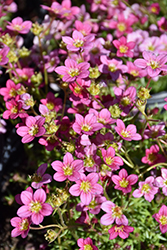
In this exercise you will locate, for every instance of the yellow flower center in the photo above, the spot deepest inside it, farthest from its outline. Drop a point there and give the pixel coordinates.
(88, 247)
(123, 183)
(24, 225)
(125, 101)
(123, 49)
(77, 90)
(17, 27)
(86, 127)
(153, 64)
(163, 220)
(134, 72)
(145, 188)
(125, 133)
(33, 130)
(151, 47)
(89, 162)
(14, 110)
(112, 67)
(117, 212)
(35, 206)
(78, 43)
(50, 105)
(121, 27)
(85, 186)
(67, 170)
(109, 160)
(119, 229)
(74, 72)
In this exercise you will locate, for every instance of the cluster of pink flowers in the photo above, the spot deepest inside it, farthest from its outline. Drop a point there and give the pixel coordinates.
(100, 125)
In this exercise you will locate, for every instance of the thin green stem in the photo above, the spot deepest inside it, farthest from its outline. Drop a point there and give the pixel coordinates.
(125, 161)
(154, 166)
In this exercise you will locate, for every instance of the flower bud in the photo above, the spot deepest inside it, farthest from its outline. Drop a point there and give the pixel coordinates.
(36, 29)
(143, 93)
(24, 52)
(94, 72)
(94, 89)
(115, 111)
(51, 235)
(36, 78)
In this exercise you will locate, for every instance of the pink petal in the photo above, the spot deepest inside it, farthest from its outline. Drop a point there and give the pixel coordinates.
(26, 197)
(141, 63)
(59, 176)
(86, 198)
(37, 218)
(24, 211)
(107, 206)
(107, 219)
(46, 209)
(75, 190)
(40, 196)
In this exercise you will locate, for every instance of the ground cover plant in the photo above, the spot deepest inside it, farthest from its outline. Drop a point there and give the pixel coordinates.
(93, 174)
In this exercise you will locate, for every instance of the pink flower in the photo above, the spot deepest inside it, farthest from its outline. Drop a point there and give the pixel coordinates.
(87, 125)
(19, 26)
(113, 213)
(152, 157)
(72, 70)
(40, 178)
(84, 28)
(34, 206)
(135, 71)
(123, 181)
(10, 91)
(34, 128)
(124, 47)
(128, 133)
(104, 117)
(114, 162)
(152, 63)
(3, 53)
(154, 8)
(51, 102)
(162, 24)
(162, 181)
(147, 189)
(78, 41)
(86, 187)
(70, 169)
(161, 217)
(121, 230)
(86, 244)
(22, 226)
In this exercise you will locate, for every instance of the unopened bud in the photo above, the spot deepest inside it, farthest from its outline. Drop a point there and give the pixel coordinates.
(143, 94)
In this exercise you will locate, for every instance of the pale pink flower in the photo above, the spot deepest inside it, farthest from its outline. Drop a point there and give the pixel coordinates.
(161, 218)
(86, 244)
(152, 63)
(34, 206)
(114, 162)
(22, 226)
(86, 187)
(68, 169)
(72, 70)
(85, 28)
(87, 125)
(34, 128)
(113, 213)
(123, 181)
(162, 181)
(19, 26)
(121, 231)
(78, 41)
(147, 189)
(40, 178)
(104, 117)
(128, 133)
(3, 55)
(152, 157)
(123, 47)
(135, 71)
(69, 12)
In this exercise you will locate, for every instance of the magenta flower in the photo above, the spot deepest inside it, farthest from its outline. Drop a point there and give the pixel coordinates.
(128, 133)
(72, 70)
(22, 226)
(10, 91)
(19, 26)
(154, 8)
(123, 181)
(87, 125)
(161, 217)
(68, 169)
(3, 53)
(121, 231)
(114, 162)
(162, 181)
(113, 213)
(152, 157)
(34, 206)
(86, 244)
(40, 178)
(124, 47)
(78, 41)
(152, 63)
(147, 189)
(34, 128)
(85, 28)
(86, 187)
(104, 117)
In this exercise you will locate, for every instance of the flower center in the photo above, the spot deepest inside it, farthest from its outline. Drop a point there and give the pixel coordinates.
(14, 110)
(145, 188)
(77, 90)
(24, 225)
(163, 220)
(88, 247)
(152, 157)
(89, 162)
(116, 212)
(78, 43)
(112, 67)
(121, 26)
(35, 206)
(17, 27)
(85, 186)
(123, 183)
(33, 130)
(125, 133)
(151, 47)
(50, 105)
(109, 160)
(36, 177)
(67, 170)
(125, 101)
(123, 49)
(119, 229)
(12, 92)
(86, 127)
(74, 72)
(134, 72)
(153, 64)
